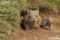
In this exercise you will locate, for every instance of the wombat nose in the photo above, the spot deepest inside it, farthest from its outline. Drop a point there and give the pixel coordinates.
(33, 21)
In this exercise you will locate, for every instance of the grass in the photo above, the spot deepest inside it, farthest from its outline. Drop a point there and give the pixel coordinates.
(2, 36)
(7, 23)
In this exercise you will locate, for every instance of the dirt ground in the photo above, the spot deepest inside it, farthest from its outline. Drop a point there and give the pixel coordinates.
(41, 33)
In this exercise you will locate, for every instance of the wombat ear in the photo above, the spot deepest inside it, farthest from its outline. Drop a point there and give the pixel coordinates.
(23, 13)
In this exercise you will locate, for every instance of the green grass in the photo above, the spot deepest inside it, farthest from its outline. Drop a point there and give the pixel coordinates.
(2, 36)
